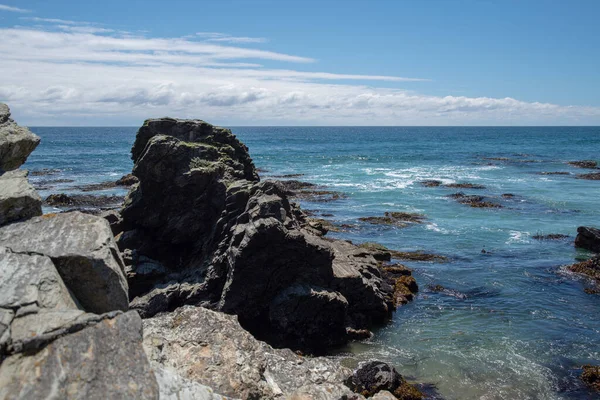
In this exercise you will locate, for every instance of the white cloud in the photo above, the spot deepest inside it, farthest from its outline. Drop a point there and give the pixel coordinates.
(106, 78)
(50, 20)
(222, 37)
(13, 9)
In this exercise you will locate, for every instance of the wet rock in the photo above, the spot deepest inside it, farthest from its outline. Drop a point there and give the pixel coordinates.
(378, 251)
(82, 249)
(287, 176)
(591, 376)
(16, 142)
(311, 316)
(554, 173)
(103, 360)
(127, 180)
(44, 171)
(507, 195)
(550, 236)
(395, 218)
(473, 201)
(589, 164)
(294, 186)
(588, 238)
(376, 376)
(82, 200)
(212, 348)
(18, 199)
(464, 186)
(589, 268)
(590, 177)
(431, 183)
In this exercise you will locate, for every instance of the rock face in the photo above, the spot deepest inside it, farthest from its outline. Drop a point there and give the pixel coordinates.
(16, 142)
(103, 360)
(213, 349)
(201, 229)
(18, 199)
(588, 238)
(82, 248)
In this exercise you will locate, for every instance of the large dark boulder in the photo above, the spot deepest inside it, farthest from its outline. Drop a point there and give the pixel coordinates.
(211, 234)
(588, 238)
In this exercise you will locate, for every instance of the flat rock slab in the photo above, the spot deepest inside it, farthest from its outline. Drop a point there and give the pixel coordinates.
(84, 252)
(213, 349)
(103, 361)
(18, 198)
(16, 142)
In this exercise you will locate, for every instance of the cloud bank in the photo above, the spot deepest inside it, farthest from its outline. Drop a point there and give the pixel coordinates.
(67, 72)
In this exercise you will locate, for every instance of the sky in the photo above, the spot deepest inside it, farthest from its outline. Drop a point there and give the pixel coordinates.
(326, 62)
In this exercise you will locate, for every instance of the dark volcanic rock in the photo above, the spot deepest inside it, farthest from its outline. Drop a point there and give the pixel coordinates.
(589, 164)
(311, 316)
(16, 142)
(588, 238)
(464, 186)
(431, 183)
(82, 200)
(224, 240)
(376, 376)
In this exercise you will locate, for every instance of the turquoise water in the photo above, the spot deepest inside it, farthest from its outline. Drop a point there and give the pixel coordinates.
(511, 324)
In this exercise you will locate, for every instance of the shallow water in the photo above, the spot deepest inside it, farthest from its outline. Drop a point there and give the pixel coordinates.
(511, 323)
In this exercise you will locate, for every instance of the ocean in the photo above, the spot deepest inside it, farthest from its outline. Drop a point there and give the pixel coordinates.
(510, 322)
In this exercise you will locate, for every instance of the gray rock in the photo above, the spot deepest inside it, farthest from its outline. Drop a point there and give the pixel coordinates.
(16, 142)
(31, 279)
(588, 238)
(83, 250)
(213, 349)
(104, 360)
(18, 199)
(173, 386)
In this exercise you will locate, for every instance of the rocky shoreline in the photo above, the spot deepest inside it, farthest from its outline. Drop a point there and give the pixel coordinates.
(199, 244)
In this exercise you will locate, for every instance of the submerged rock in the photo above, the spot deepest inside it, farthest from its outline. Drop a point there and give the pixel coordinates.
(16, 142)
(589, 164)
(431, 183)
(464, 186)
(588, 238)
(595, 176)
(376, 376)
(18, 199)
(591, 376)
(590, 268)
(395, 218)
(473, 201)
(550, 236)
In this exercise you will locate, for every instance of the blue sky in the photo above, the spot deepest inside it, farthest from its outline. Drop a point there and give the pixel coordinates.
(302, 62)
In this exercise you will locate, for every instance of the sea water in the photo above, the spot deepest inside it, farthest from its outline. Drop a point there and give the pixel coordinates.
(511, 323)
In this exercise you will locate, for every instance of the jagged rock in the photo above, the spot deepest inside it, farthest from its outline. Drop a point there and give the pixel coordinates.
(102, 360)
(212, 349)
(588, 238)
(18, 199)
(310, 316)
(82, 248)
(114, 219)
(16, 142)
(376, 376)
(82, 200)
(224, 240)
